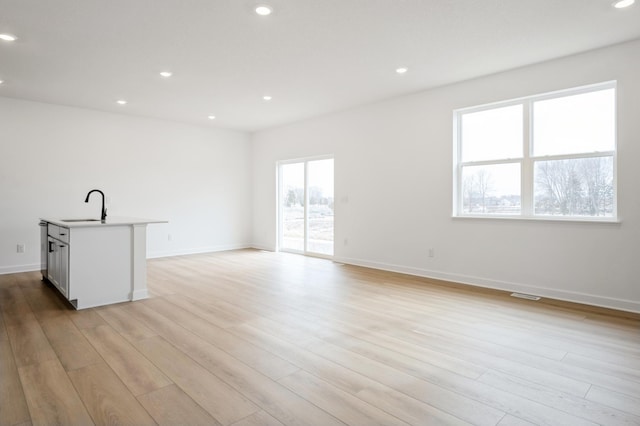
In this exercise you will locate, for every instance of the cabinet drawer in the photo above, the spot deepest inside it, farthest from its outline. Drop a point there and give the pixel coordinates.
(58, 232)
(53, 230)
(63, 234)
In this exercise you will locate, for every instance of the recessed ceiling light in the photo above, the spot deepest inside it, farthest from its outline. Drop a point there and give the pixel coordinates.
(620, 4)
(211, 117)
(122, 102)
(166, 74)
(263, 10)
(267, 98)
(8, 37)
(402, 70)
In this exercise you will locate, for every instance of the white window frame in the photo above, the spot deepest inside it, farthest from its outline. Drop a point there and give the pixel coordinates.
(528, 160)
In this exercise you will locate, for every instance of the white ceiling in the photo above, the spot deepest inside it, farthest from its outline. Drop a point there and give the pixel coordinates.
(313, 57)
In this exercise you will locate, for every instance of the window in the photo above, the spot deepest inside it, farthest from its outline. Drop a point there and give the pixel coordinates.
(545, 156)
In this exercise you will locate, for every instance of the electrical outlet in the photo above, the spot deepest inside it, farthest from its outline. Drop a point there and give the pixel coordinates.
(20, 248)
(169, 237)
(346, 241)
(431, 252)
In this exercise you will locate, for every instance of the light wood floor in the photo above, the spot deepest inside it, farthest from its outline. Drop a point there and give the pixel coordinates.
(254, 338)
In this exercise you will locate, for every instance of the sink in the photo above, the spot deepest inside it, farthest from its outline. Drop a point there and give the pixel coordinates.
(80, 220)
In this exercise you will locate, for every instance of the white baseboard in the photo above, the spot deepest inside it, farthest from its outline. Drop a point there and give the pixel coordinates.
(197, 250)
(568, 296)
(19, 268)
(261, 247)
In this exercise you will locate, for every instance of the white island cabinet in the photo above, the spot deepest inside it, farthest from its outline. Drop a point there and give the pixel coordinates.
(95, 263)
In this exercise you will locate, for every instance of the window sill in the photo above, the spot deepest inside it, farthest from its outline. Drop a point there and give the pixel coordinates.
(608, 220)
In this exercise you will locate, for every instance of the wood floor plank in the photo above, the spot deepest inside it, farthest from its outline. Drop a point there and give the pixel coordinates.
(390, 355)
(476, 330)
(393, 402)
(338, 403)
(106, 398)
(120, 321)
(573, 338)
(509, 420)
(628, 370)
(518, 363)
(414, 314)
(14, 305)
(162, 288)
(7, 280)
(424, 390)
(559, 404)
(269, 395)
(263, 361)
(71, 346)
(170, 406)
(467, 409)
(337, 330)
(44, 301)
(602, 350)
(213, 314)
(51, 397)
(13, 405)
(260, 418)
(30, 345)
(220, 400)
(86, 318)
(346, 333)
(3, 329)
(137, 373)
(616, 400)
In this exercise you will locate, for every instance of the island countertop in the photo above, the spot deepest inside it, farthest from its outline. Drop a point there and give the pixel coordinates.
(110, 221)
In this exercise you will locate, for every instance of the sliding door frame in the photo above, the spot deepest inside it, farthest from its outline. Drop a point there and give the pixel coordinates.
(279, 200)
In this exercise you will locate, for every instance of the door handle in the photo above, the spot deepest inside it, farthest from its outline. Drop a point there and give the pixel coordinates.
(51, 246)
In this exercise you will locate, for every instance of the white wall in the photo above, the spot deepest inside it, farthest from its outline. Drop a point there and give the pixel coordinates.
(197, 178)
(393, 183)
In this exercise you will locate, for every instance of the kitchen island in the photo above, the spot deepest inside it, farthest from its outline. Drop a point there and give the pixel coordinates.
(93, 262)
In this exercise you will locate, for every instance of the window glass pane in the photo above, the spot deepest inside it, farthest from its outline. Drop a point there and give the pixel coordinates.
(292, 197)
(320, 236)
(492, 189)
(574, 187)
(574, 124)
(492, 134)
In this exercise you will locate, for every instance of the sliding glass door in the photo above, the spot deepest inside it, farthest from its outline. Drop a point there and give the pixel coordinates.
(292, 211)
(306, 206)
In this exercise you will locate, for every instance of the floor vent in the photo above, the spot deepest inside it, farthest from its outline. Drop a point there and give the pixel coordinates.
(525, 296)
